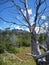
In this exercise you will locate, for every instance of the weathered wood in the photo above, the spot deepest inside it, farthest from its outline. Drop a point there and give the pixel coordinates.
(43, 47)
(38, 56)
(41, 63)
(34, 45)
(47, 43)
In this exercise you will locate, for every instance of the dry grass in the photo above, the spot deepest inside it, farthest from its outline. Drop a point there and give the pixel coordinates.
(27, 60)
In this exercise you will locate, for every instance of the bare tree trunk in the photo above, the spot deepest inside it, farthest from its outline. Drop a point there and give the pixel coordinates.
(34, 44)
(47, 43)
(35, 48)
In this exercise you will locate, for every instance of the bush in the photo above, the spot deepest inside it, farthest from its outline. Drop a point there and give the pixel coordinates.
(3, 45)
(26, 43)
(12, 49)
(23, 42)
(1, 49)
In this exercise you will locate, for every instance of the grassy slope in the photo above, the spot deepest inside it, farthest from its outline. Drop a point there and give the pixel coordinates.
(27, 60)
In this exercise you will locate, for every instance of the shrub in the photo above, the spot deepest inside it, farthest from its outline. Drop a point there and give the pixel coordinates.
(26, 43)
(23, 42)
(1, 49)
(12, 49)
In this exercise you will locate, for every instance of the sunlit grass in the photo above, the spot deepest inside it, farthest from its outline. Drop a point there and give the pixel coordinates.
(11, 60)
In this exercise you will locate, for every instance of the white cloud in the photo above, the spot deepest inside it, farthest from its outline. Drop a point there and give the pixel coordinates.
(29, 11)
(37, 30)
(27, 29)
(18, 27)
(42, 30)
(46, 24)
(43, 17)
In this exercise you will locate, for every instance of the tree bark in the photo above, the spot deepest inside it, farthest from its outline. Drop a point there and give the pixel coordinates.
(35, 48)
(47, 43)
(34, 45)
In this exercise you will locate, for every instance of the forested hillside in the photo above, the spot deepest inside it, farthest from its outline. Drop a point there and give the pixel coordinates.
(13, 38)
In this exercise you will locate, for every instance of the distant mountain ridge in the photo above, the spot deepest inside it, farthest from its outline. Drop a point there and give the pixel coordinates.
(18, 30)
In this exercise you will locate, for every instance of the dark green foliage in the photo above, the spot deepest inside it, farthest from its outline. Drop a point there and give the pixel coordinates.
(1, 49)
(12, 49)
(24, 39)
(10, 40)
(23, 42)
(1, 62)
(26, 43)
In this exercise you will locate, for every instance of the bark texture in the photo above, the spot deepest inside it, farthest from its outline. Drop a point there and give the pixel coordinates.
(47, 43)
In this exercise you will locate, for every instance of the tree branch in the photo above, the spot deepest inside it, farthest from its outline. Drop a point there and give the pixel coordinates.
(21, 22)
(11, 22)
(19, 9)
(6, 8)
(37, 9)
(43, 47)
(38, 56)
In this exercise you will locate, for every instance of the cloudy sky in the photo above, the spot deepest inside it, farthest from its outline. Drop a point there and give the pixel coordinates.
(9, 14)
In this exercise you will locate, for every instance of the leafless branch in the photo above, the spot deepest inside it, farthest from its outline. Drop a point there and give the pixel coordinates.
(38, 4)
(6, 8)
(38, 56)
(19, 9)
(43, 47)
(21, 22)
(22, 1)
(11, 22)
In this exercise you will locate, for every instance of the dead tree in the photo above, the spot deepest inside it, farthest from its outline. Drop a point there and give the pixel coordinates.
(47, 40)
(35, 47)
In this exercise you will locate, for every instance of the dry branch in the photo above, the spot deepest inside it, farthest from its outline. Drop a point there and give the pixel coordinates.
(38, 56)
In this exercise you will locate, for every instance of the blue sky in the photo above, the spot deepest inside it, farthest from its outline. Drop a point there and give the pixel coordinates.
(10, 13)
